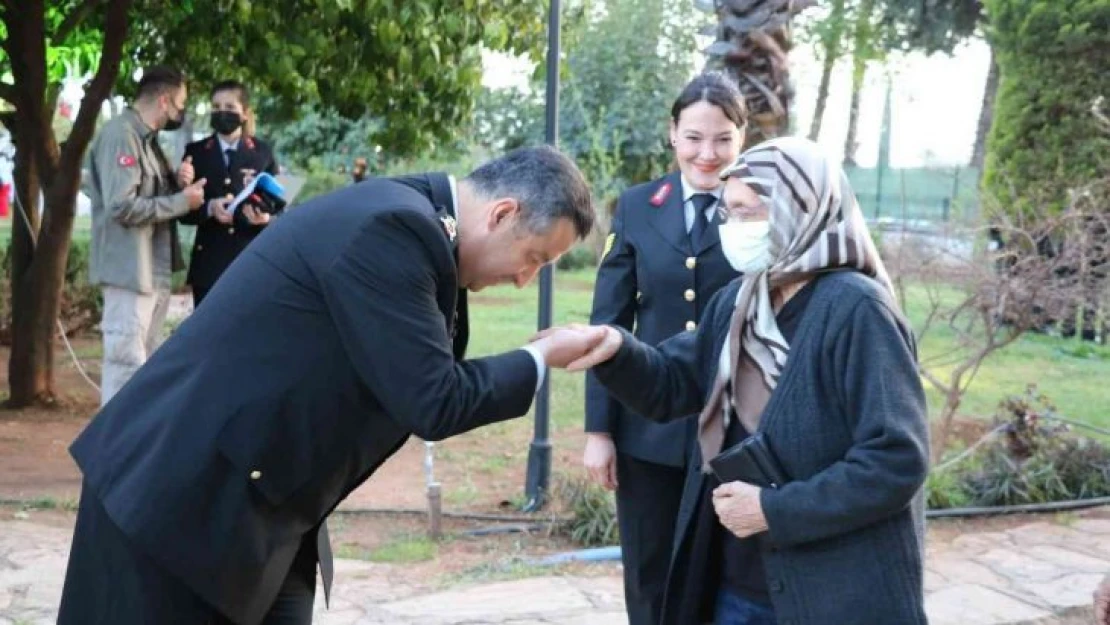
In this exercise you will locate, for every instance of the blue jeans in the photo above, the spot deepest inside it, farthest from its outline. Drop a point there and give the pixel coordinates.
(732, 609)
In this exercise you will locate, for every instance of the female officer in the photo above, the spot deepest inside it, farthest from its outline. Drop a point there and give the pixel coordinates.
(662, 263)
(228, 160)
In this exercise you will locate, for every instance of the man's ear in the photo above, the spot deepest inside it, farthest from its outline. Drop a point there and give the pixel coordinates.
(504, 209)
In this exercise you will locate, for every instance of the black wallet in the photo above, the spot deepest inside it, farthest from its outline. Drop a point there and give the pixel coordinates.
(750, 461)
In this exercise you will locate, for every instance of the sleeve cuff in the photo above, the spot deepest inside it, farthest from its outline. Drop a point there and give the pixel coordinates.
(541, 366)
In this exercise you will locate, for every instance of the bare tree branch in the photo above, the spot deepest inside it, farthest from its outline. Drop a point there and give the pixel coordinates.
(71, 21)
(115, 34)
(934, 380)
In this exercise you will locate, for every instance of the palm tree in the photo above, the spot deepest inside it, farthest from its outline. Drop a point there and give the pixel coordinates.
(753, 39)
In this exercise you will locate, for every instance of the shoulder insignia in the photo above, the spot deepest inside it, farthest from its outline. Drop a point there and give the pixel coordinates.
(661, 195)
(449, 227)
(211, 143)
(248, 142)
(126, 160)
(609, 240)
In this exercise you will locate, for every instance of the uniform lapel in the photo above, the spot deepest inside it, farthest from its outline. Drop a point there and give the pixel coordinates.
(439, 189)
(667, 215)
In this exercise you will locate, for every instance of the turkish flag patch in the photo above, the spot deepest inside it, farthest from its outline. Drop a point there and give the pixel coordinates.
(126, 160)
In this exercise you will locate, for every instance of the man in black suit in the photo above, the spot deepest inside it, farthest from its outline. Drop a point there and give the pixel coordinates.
(337, 334)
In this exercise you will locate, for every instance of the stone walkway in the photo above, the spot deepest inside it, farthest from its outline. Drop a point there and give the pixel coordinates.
(1042, 574)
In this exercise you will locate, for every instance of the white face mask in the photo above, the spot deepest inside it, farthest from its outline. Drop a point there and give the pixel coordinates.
(747, 244)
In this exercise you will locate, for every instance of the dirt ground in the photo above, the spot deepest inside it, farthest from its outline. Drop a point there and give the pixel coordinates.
(481, 473)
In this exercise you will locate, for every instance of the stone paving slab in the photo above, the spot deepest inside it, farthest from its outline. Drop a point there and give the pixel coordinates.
(1037, 574)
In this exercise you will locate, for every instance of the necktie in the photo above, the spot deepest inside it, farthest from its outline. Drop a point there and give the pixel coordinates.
(227, 157)
(701, 202)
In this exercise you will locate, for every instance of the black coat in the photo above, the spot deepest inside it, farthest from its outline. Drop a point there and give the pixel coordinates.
(325, 346)
(216, 244)
(847, 422)
(650, 280)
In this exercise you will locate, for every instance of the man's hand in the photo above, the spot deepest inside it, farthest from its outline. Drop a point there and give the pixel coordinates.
(255, 216)
(738, 507)
(217, 209)
(194, 194)
(563, 345)
(604, 341)
(185, 172)
(600, 460)
(1102, 602)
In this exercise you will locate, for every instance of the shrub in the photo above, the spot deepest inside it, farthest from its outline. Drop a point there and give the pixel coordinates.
(1036, 460)
(82, 303)
(593, 513)
(581, 256)
(1053, 57)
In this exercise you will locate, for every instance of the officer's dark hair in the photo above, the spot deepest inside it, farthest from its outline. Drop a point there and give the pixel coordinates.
(160, 80)
(717, 89)
(547, 184)
(241, 91)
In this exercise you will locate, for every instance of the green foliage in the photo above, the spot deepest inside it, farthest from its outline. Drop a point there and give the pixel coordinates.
(945, 489)
(325, 139)
(1054, 59)
(82, 303)
(414, 65)
(593, 513)
(1035, 460)
(321, 181)
(629, 62)
(581, 256)
(934, 26)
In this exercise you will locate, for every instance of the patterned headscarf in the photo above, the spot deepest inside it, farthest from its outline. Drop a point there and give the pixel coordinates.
(815, 227)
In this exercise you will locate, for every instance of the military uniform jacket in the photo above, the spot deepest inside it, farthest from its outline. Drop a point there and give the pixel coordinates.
(216, 244)
(135, 202)
(327, 343)
(652, 282)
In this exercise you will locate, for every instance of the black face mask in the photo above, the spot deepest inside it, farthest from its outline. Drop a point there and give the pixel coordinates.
(226, 122)
(175, 123)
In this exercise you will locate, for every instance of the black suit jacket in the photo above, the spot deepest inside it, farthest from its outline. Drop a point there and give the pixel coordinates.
(328, 343)
(651, 279)
(216, 244)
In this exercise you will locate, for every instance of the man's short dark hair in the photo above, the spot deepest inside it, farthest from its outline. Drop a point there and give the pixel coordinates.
(241, 92)
(547, 184)
(160, 80)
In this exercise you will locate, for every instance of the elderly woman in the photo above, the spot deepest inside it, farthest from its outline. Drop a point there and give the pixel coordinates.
(809, 350)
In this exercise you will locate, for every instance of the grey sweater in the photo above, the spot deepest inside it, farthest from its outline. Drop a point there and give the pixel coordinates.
(849, 425)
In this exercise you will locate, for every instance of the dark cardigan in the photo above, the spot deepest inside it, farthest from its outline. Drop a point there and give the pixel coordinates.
(848, 424)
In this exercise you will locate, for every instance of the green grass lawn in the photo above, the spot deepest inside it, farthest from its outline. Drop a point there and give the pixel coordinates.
(82, 227)
(504, 317)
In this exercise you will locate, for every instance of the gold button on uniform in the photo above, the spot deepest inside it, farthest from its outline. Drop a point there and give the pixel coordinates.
(691, 262)
(231, 230)
(199, 247)
(691, 326)
(689, 295)
(256, 475)
(227, 180)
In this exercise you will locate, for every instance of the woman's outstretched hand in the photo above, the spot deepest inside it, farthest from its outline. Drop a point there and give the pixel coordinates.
(577, 347)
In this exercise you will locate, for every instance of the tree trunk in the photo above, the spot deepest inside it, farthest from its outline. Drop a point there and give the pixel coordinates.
(850, 144)
(986, 116)
(862, 51)
(831, 48)
(822, 95)
(38, 267)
